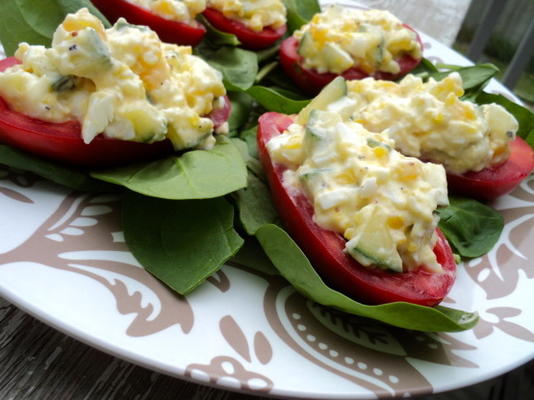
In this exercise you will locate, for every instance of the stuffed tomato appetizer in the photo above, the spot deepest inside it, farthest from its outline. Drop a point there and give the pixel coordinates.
(257, 24)
(352, 43)
(477, 144)
(173, 20)
(362, 212)
(102, 97)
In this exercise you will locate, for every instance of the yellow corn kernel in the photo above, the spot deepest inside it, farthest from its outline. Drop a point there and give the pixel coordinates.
(349, 233)
(318, 34)
(386, 85)
(292, 144)
(407, 177)
(395, 222)
(412, 247)
(451, 99)
(421, 133)
(500, 150)
(439, 117)
(346, 177)
(164, 7)
(380, 151)
(469, 114)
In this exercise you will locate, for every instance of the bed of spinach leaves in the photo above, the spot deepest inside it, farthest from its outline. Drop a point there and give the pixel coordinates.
(178, 212)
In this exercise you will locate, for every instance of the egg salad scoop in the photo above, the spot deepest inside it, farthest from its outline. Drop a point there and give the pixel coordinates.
(122, 83)
(173, 20)
(352, 43)
(477, 144)
(256, 23)
(363, 212)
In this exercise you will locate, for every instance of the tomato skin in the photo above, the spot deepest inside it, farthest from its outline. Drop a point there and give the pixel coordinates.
(312, 81)
(167, 30)
(495, 181)
(249, 39)
(63, 141)
(324, 248)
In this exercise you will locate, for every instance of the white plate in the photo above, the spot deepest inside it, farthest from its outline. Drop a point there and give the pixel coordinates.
(63, 260)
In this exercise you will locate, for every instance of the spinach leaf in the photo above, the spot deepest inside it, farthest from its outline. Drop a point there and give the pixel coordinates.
(471, 227)
(238, 67)
(299, 12)
(217, 37)
(64, 175)
(198, 174)
(524, 116)
(251, 255)
(180, 242)
(278, 100)
(474, 78)
(295, 267)
(424, 69)
(241, 110)
(249, 136)
(255, 205)
(35, 21)
(265, 70)
(268, 53)
(277, 77)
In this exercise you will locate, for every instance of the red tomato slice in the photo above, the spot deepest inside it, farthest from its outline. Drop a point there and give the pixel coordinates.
(312, 81)
(63, 142)
(249, 39)
(324, 248)
(167, 30)
(493, 182)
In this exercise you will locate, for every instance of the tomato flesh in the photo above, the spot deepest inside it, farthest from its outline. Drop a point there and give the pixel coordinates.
(495, 181)
(324, 248)
(167, 30)
(312, 81)
(249, 39)
(63, 141)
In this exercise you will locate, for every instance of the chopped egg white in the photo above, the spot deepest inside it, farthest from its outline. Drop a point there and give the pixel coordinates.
(341, 38)
(254, 14)
(176, 10)
(430, 121)
(123, 82)
(353, 178)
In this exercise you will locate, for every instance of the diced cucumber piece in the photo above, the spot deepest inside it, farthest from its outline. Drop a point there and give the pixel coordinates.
(305, 44)
(314, 177)
(336, 58)
(89, 56)
(122, 24)
(373, 244)
(64, 83)
(330, 93)
(380, 51)
(317, 127)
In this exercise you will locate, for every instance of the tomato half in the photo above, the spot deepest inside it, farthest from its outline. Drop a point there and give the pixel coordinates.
(493, 182)
(249, 39)
(167, 30)
(312, 81)
(324, 248)
(63, 141)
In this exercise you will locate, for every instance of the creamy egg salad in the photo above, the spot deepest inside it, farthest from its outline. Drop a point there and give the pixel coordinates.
(122, 81)
(430, 121)
(341, 38)
(381, 201)
(176, 10)
(254, 14)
